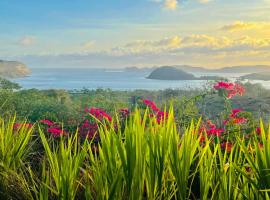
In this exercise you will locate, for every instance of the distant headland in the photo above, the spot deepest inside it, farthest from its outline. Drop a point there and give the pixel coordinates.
(174, 73)
(13, 69)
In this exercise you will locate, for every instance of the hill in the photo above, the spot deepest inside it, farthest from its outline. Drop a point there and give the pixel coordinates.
(13, 69)
(170, 73)
(233, 69)
(257, 76)
(174, 73)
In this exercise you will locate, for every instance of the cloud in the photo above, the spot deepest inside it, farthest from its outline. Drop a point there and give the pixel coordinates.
(197, 49)
(170, 4)
(204, 1)
(148, 46)
(193, 44)
(27, 41)
(88, 45)
(241, 26)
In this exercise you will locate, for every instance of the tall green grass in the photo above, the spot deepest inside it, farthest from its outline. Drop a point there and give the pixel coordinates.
(15, 146)
(146, 160)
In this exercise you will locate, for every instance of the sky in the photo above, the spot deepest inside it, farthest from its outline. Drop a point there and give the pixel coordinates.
(123, 33)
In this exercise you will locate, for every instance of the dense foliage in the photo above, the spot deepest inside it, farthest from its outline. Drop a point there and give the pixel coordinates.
(95, 145)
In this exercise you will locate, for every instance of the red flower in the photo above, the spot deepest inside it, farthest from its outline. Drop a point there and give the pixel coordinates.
(16, 126)
(210, 124)
(160, 116)
(151, 105)
(202, 138)
(227, 146)
(235, 112)
(46, 121)
(88, 129)
(224, 85)
(124, 112)
(241, 120)
(231, 88)
(225, 122)
(258, 130)
(202, 130)
(260, 145)
(215, 132)
(98, 113)
(56, 132)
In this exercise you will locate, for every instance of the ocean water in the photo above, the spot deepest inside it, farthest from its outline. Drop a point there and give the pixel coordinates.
(71, 79)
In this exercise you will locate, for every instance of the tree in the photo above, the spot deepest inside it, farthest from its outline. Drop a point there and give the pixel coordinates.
(8, 85)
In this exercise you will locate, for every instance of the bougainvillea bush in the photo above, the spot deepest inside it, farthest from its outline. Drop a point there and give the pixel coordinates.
(141, 152)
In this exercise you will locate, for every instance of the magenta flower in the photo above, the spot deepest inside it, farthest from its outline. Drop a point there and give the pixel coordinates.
(56, 132)
(215, 132)
(232, 89)
(124, 112)
(235, 112)
(151, 105)
(99, 114)
(46, 121)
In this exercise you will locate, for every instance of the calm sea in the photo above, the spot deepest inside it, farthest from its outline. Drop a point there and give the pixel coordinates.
(71, 79)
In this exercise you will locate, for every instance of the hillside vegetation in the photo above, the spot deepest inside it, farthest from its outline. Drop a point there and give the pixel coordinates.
(135, 150)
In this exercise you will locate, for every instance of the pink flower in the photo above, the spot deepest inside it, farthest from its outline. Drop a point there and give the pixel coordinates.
(46, 121)
(56, 132)
(224, 85)
(210, 124)
(19, 125)
(225, 122)
(151, 105)
(88, 129)
(98, 113)
(231, 88)
(124, 111)
(215, 132)
(235, 112)
(160, 116)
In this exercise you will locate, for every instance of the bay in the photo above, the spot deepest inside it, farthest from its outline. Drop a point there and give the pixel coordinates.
(115, 79)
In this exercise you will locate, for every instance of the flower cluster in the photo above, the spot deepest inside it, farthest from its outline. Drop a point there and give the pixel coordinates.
(230, 89)
(151, 105)
(124, 112)
(53, 128)
(46, 121)
(234, 117)
(89, 127)
(56, 132)
(98, 113)
(210, 129)
(157, 113)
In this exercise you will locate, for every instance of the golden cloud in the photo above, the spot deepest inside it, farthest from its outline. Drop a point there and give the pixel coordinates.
(204, 1)
(194, 44)
(240, 26)
(171, 4)
(88, 45)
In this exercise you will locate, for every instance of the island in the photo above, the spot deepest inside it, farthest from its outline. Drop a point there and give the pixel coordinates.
(170, 73)
(257, 76)
(174, 73)
(13, 69)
